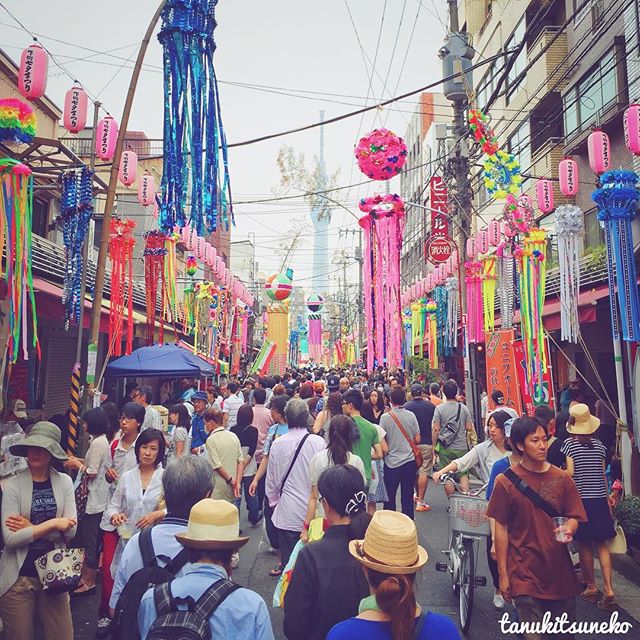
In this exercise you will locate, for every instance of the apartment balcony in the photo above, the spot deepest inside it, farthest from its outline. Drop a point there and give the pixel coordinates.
(544, 164)
(547, 73)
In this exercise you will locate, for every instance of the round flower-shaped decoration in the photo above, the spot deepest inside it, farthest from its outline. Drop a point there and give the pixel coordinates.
(518, 214)
(502, 175)
(484, 135)
(569, 220)
(191, 266)
(17, 121)
(279, 286)
(381, 154)
(431, 306)
(315, 302)
(379, 206)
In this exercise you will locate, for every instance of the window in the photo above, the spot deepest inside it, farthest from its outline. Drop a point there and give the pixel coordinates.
(592, 95)
(520, 146)
(584, 11)
(593, 235)
(486, 87)
(513, 79)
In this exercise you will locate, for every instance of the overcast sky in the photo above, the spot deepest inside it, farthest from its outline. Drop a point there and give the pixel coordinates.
(299, 56)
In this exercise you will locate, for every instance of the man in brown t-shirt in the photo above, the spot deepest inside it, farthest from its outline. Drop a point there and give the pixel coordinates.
(535, 569)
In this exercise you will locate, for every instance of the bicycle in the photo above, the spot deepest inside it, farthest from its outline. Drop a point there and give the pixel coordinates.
(468, 524)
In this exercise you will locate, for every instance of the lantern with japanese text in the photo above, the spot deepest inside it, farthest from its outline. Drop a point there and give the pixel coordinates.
(599, 151)
(569, 180)
(544, 195)
(75, 109)
(128, 168)
(32, 77)
(201, 247)
(471, 247)
(146, 190)
(632, 128)
(493, 234)
(482, 241)
(106, 138)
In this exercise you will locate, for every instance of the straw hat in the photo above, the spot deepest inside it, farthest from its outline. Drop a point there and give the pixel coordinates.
(390, 544)
(585, 423)
(213, 524)
(44, 435)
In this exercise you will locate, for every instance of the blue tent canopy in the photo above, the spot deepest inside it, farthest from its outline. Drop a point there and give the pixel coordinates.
(167, 361)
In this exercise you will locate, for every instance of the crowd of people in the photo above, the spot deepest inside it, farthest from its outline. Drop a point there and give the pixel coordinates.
(336, 464)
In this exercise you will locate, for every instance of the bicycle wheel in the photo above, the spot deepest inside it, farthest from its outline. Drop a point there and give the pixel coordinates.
(454, 562)
(467, 583)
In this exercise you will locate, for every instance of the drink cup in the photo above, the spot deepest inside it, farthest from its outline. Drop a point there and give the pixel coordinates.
(561, 529)
(125, 531)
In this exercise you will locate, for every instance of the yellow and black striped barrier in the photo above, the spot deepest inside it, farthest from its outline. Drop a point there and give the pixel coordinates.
(74, 411)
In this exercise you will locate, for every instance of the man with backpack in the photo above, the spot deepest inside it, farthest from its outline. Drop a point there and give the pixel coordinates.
(203, 603)
(451, 422)
(154, 555)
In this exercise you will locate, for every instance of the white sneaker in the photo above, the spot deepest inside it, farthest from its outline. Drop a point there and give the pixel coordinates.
(498, 601)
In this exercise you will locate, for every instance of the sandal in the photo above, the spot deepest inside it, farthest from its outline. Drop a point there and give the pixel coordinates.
(608, 603)
(276, 571)
(590, 596)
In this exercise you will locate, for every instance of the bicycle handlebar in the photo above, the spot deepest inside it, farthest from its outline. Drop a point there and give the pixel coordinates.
(448, 477)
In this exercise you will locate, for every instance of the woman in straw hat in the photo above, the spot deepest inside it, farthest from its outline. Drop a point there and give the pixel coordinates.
(585, 456)
(38, 515)
(391, 557)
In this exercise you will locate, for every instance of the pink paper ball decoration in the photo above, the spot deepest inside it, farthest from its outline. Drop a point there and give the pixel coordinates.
(381, 154)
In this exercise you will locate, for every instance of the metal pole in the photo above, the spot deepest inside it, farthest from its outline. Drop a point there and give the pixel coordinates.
(113, 176)
(625, 443)
(360, 298)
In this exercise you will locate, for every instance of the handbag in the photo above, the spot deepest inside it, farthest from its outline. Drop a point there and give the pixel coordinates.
(60, 569)
(417, 454)
(619, 543)
(449, 431)
(81, 492)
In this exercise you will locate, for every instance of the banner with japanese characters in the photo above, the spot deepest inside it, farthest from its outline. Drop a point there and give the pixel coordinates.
(501, 368)
(547, 383)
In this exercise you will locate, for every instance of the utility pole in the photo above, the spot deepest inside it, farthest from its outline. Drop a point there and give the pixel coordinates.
(456, 56)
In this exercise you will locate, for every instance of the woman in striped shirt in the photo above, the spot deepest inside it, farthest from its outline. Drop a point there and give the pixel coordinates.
(585, 457)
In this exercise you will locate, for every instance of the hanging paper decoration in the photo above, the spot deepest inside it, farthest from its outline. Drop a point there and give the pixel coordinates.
(195, 161)
(75, 109)
(632, 128)
(568, 174)
(383, 227)
(531, 263)
(430, 308)
(453, 312)
(147, 190)
(484, 135)
(482, 242)
(170, 276)
(32, 76)
(502, 175)
(473, 280)
(106, 138)
(599, 150)
(121, 243)
(493, 236)
(17, 121)
(489, 278)
(381, 154)
(569, 230)
(154, 255)
(15, 236)
(278, 333)
(518, 214)
(76, 208)
(294, 348)
(417, 327)
(506, 289)
(408, 337)
(315, 336)
(128, 167)
(617, 200)
(472, 250)
(279, 286)
(441, 299)
(544, 195)
(315, 302)
(191, 266)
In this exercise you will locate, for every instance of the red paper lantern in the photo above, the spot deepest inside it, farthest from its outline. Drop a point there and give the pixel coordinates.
(599, 151)
(32, 77)
(493, 233)
(147, 190)
(75, 109)
(632, 128)
(106, 138)
(544, 195)
(569, 179)
(471, 247)
(128, 168)
(482, 241)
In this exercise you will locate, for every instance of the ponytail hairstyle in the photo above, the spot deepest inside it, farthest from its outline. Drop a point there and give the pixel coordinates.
(395, 595)
(340, 436)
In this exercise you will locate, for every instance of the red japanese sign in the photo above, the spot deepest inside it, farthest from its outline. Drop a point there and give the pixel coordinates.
(438, 249)
(501, 368)
(547, 383)
(438, 203)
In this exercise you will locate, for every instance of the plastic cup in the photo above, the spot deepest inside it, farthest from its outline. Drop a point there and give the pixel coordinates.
(125, 531)
(561, 529)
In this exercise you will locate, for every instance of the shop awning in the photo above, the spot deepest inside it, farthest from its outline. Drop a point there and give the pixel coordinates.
(167, 361)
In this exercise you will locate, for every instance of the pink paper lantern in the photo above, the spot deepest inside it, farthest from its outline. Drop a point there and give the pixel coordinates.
(599, 151)
(217, 267)
(128, 168)
(508, 231)
(442, 273)
(32, 76)
(75, 109)
(471, 248)
(208, 255)
(146, 190)
(569, 180)
(482, 241)
(106, 138)
(201, 247)
(493, 233)
(190, 240)
(632, 128)
(544, 195)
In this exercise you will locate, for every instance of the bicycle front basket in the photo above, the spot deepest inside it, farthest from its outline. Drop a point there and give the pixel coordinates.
(468, 515)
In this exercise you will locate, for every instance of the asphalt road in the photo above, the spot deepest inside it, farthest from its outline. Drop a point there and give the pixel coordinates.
(434, 588)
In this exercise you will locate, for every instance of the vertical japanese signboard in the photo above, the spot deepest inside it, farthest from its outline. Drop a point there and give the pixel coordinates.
(546, 397)
(501, 367)
(438, 203)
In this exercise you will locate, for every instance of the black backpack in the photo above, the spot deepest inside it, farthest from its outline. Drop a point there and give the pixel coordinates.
(172, 623)
(125, 621)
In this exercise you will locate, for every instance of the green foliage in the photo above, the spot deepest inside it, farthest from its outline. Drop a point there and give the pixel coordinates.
(422, 367)
(628, 515)
(596, 257)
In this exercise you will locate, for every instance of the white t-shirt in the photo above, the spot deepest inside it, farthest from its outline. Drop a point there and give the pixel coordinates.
(98, 460)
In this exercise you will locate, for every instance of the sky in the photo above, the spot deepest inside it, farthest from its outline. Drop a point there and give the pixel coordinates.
(278, 63)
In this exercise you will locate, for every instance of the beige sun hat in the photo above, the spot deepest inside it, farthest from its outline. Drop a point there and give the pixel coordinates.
(390, 544)
(584, 423)
(44, 435)
(213, 524)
